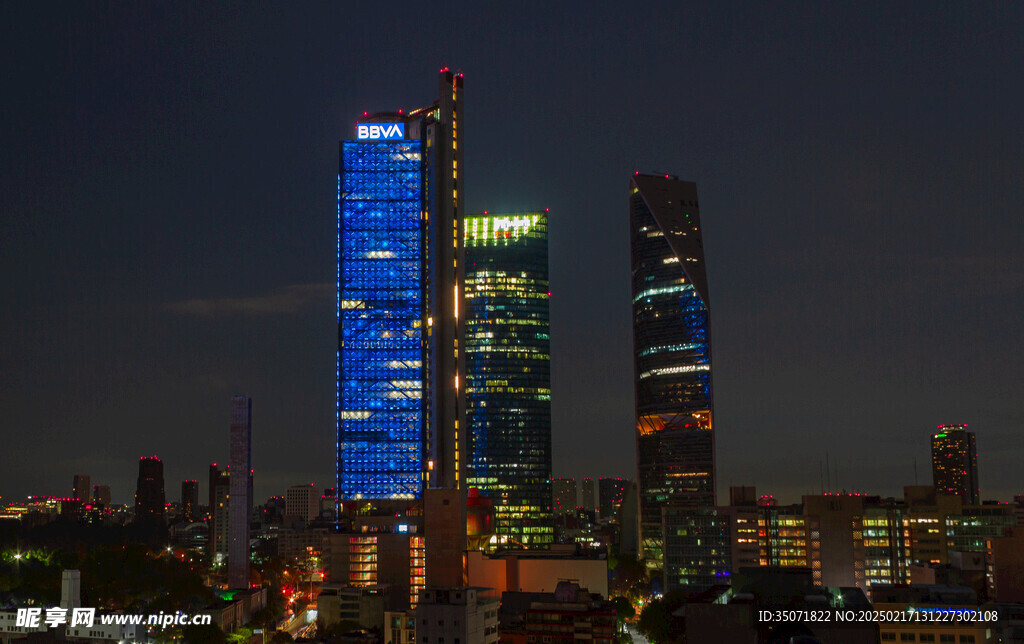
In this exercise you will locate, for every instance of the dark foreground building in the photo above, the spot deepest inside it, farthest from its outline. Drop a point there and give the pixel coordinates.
(149, 492)
(508, 373)
(240, 496)
(672, 352)
(190, 500)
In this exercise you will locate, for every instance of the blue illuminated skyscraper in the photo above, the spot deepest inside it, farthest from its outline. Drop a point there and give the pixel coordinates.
(382, 318)
(400, 408)
(672, 353)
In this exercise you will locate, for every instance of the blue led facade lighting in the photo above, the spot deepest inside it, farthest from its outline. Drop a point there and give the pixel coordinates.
(381, 320)
(672, 353)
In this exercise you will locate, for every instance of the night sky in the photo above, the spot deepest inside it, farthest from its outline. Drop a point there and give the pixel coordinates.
(168, 220)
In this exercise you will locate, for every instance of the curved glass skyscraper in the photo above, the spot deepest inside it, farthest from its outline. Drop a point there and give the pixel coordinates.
(672, 352)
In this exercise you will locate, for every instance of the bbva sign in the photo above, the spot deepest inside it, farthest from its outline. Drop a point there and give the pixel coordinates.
(380, 131)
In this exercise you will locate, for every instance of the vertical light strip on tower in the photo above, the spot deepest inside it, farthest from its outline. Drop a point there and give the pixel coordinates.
(240, 497)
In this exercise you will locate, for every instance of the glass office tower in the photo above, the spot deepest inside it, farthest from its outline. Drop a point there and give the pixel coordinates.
(508, 377)
(400, 408)
(381, 347)
(672, 353)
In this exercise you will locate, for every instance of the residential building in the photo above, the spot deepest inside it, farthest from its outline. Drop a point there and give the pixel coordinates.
(1004, 566)
(571, 614)
(457, 615)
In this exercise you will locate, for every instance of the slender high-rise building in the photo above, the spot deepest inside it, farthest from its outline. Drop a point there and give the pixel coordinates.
(611, 493)
(219, 515)
(588, 494)
(219, 486)
(508, 372)
(401, 408)
(240, 496)
(955, 463)
(81, 490)
(150, 500)
(672, 352)
(190, 499)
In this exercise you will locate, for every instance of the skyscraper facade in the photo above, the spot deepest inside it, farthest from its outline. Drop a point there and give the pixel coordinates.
(240, 496)
(611, 492)
(508, 375)
(588, 494)
(563, 496)
(402, 432)
(401, 415)
(190, 500)
(150, 499)
(82, 491)
(219, 487)
(955, 463)
(672, 352)
(301, 504)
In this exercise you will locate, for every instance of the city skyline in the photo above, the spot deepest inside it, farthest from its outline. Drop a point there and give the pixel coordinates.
(156, 235)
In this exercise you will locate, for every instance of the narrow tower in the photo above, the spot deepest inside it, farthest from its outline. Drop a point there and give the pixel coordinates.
(672, 352)
(401, 407)
(240, 497)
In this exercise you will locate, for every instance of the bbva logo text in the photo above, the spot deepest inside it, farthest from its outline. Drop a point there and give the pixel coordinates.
(382, 131)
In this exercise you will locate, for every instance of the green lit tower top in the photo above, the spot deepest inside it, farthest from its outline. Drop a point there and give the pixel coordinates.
(508, 376)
